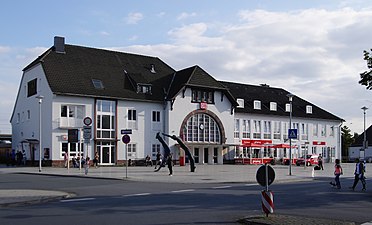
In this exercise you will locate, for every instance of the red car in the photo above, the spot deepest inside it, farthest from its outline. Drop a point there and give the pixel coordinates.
(310, 160)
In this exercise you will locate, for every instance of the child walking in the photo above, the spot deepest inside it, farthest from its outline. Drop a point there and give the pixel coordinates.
(86, 165)
(338, 172)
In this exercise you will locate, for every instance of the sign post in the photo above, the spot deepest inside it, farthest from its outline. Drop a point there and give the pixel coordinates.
(87, 132)
(126, 140)
(265, 176)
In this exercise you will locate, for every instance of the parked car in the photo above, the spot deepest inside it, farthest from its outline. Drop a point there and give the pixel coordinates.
(310, 160)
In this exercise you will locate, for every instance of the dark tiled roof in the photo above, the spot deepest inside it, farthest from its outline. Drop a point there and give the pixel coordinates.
(359, 140)
(198, 78)
(267, 94)
(71, 73)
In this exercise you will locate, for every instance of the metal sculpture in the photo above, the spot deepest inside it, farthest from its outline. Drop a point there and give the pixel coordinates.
(185, 148)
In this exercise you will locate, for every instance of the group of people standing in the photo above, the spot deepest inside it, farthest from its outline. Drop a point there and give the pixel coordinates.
(85, 162)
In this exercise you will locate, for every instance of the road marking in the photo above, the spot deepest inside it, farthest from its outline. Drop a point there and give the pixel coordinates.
(185, 190)
(222, 187)
(139, 194)
(77, 200)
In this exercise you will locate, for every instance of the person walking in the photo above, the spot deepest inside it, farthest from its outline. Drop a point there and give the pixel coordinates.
(170, 164)
(65, 157)
(338, 172)
(320, 162)
(96, 159)
(86, 165)
(359, 175)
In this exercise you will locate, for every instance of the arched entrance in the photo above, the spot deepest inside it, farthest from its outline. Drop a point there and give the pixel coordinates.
(202, 131)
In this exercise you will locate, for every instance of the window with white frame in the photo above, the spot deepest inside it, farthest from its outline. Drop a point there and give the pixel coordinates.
(257, 104)
(267, 129)
(201, 127)
(240, 102)
(296, 126)
(287, 107)
(155, 116)
(276, 129)
(237, 128)
(155, 149)
(132, 151)
(273, 106)
(132, 119)
(256, 129)
(106, 115)
(285, 131)
(73, 111)
(309, 109)
(246, 129)
(323, 130)
(156, 125)
(332, 131)
(315, 130)
(304, 131)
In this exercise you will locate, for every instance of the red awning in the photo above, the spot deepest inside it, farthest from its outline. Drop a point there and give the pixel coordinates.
(283, 146)
(250, 145)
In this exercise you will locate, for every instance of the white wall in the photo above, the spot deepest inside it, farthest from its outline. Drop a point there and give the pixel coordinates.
(29, 128)
(144, 135)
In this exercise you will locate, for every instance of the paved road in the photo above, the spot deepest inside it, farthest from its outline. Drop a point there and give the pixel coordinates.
(219, 174)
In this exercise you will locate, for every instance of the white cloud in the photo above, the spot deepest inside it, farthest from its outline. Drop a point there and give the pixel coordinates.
(104, 33)
(134, 18)
(185, 15)
(314, 53)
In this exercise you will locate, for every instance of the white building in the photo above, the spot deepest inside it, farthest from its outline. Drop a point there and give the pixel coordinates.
(218, 121)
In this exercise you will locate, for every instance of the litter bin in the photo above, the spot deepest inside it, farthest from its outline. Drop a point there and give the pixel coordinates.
(182, 161)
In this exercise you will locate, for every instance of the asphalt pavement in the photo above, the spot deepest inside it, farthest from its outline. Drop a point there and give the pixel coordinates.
(181, 174)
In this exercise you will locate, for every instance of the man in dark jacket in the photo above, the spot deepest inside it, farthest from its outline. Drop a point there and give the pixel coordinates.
(359, 175)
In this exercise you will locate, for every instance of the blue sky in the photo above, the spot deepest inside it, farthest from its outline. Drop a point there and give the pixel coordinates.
(312, 48)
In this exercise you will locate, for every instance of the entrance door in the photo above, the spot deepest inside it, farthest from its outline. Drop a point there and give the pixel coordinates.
(105, 154)
(206, 154)
(106, 151)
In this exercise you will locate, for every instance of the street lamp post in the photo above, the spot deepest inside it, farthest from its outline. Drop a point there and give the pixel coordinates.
(364, 133)
(290, 97)
(40, 97)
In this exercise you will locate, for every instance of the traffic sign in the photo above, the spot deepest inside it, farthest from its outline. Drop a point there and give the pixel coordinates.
(261, 175)
(87, 121)
(87, 132)
(126, 131)
(126, 138)
(292, 133)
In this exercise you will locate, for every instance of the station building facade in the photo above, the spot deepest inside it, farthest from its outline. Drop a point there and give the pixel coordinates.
(218, 121)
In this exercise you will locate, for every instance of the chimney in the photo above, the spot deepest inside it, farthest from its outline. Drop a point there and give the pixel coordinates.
(59, 44)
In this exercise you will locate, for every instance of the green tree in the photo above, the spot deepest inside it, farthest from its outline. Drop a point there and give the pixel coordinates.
(366, 76)
(346, 140)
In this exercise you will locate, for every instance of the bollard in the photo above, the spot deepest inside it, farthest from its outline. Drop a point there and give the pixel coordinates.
(267, 202)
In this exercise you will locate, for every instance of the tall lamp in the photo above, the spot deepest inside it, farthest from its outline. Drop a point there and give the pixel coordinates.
(290, 97)
(364, 133)
(40, 97)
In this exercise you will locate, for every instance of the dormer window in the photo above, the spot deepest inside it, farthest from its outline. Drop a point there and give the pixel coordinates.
(257, 104)
(97, 84)
(273, 106)
(287, 107)
(198, 96)
(309, 109)
(240, 102)
(145, 89)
